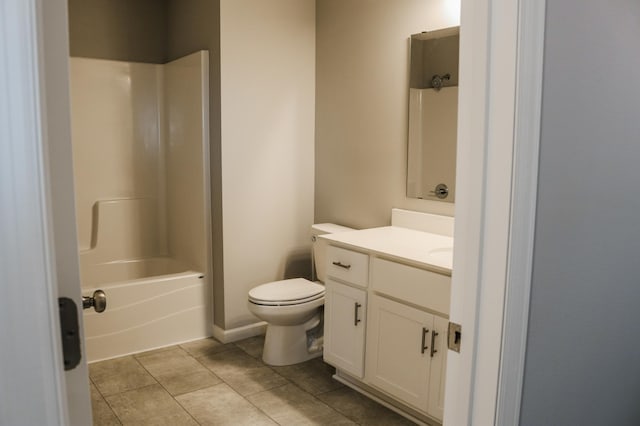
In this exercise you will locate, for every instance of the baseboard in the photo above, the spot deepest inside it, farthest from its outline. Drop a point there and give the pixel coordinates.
(239, 333)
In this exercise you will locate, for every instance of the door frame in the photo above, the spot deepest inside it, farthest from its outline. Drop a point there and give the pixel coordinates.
(498, 128)
(501, 64)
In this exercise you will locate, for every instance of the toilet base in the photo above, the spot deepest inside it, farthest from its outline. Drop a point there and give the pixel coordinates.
(287, 344)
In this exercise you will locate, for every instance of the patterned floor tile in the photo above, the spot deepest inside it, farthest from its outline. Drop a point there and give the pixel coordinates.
(151, 405)
(289, 405)
(177, 371)
(119, 375)
(221, 405)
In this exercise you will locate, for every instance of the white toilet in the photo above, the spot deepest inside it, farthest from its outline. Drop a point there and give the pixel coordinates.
(293, 309)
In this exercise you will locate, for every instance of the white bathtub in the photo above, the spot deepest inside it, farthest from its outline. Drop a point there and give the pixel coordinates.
(151, 303)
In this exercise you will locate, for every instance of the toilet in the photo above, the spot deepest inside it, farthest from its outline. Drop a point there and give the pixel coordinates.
(293, 309)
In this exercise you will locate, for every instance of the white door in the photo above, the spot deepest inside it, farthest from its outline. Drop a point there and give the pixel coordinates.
(58, 133)
(39, 249)
(58, 116)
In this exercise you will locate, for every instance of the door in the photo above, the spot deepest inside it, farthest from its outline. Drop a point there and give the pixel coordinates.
(60, 166)
(344, 326)
(500, 86)
(38, 251)
(399, 350)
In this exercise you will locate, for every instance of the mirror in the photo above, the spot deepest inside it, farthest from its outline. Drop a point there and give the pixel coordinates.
(433, 115)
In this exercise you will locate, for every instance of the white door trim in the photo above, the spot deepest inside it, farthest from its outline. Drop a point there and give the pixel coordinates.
(523, 202)
(32, 389)
(498, 135)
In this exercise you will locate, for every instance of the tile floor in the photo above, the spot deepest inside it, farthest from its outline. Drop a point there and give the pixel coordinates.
(209, 383)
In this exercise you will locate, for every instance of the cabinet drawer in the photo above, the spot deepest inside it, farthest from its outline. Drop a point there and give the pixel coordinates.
(413, 285)
(347, 265)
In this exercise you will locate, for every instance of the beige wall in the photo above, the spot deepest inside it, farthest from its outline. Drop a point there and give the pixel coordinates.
(267, 95)
(124, 30)
(262, 67)
(362, 106)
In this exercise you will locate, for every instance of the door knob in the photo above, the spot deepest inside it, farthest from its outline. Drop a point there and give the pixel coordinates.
(98, 301)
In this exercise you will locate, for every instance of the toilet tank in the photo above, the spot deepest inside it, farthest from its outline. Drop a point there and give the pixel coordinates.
(319, 247)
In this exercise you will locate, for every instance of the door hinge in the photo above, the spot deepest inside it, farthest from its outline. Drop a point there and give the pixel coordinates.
(454, 336)
(70, 332)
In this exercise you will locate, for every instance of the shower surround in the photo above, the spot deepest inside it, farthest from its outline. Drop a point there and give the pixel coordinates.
(140, 148)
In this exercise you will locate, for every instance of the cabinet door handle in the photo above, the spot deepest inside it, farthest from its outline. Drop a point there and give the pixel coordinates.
(433, 342)
(356, 320)
(424, 340)
(341, 265)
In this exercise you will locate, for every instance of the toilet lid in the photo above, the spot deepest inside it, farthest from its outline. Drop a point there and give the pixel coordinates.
(286, 292)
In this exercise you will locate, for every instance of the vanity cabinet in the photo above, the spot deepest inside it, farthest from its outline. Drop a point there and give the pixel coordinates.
(398, 351)
(385, 328)
(406, 354)
(406, 342)
(345, 314)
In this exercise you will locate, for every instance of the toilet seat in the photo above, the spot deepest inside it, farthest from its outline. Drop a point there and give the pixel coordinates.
(286, 292)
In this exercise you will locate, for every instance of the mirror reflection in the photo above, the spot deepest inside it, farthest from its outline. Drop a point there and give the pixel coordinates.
(433, 115)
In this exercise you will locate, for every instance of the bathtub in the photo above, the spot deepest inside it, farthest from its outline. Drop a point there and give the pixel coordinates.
(151, 303)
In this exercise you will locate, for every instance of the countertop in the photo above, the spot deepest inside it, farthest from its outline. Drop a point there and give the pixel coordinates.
(427, 250)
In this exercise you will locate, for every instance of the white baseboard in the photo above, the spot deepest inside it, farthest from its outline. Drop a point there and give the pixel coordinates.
(239, 333)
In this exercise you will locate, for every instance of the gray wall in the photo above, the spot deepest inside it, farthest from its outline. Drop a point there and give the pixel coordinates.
(123, 30)
(195, 25)
(583, 349)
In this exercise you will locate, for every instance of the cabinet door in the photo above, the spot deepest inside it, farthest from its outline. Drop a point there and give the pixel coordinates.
(398, 351)
(345, 310)
(438, 368)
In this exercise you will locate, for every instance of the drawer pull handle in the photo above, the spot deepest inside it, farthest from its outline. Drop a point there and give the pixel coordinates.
(433, 342)
(424, 340)
(356, 320)
(341, 265)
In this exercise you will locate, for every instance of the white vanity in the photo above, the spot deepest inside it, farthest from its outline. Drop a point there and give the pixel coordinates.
(387, 309)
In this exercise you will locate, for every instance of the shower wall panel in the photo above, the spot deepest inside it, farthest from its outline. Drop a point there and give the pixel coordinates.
(186, 115)
(117, 150)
